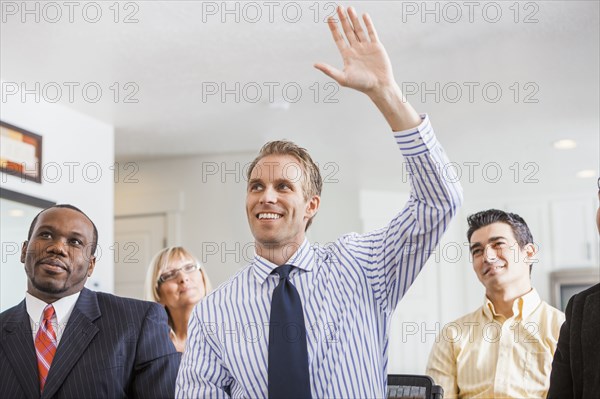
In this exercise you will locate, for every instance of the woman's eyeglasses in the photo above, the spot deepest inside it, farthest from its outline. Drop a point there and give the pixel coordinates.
(172, 274)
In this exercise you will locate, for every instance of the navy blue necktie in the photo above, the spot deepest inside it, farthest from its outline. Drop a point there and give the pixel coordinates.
(288, 355)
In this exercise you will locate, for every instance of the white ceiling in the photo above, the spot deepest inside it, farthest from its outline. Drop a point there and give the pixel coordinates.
(178, 49)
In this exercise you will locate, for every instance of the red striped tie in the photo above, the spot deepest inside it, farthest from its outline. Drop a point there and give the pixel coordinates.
(45, 345)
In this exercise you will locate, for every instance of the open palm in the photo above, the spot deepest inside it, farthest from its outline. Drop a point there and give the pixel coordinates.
(367, 66)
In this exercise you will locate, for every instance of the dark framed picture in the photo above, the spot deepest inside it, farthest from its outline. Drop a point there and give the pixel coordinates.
(20, 152)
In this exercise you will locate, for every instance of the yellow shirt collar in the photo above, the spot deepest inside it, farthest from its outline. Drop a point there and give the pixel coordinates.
(522, 306)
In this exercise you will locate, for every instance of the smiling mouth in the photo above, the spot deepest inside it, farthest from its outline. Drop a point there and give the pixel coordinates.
(493, 269)
(53, 269)
(51, 264)
(268, 216)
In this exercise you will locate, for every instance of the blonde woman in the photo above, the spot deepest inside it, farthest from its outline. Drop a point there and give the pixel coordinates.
(177, 281)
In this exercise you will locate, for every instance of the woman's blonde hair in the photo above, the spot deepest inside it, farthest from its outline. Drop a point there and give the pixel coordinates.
(159, 264)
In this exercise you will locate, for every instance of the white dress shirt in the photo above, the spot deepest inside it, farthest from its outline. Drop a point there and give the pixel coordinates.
(62, 311)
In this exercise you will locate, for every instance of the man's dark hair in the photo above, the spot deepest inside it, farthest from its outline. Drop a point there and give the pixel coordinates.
(517, 224)
(68, 206)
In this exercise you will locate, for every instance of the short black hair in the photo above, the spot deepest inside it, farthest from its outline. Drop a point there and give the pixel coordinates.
(517, 224)
(68, 206)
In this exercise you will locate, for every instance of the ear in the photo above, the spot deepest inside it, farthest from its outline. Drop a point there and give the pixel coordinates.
(312, 206)
(531, 251)
(24, 251)
(91, 266)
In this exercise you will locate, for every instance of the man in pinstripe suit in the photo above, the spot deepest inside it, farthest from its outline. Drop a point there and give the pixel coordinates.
(105, 346)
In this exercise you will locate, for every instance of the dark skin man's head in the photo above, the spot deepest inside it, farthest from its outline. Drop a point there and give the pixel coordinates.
(58, 256)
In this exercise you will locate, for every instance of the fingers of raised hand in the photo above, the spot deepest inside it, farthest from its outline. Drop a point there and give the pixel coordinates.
(335, 32)
(332, 72)
(351, 36)
(352, 27)
(370, 28)
(358, 30)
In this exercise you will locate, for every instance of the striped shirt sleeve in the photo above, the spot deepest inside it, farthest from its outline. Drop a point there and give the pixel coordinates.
(207, 378)
(393, 256)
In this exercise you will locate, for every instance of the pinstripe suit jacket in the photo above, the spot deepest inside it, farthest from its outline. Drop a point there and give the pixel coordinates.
(112, 347)
(576, 365)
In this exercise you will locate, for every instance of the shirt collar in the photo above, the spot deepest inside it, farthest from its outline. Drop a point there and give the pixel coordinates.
(522, 306)
(301, 259)
(62, 307)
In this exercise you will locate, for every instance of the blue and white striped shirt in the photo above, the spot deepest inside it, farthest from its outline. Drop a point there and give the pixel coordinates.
(348, 288)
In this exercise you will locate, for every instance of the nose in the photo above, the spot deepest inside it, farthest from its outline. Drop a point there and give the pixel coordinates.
(490, 254)
(57, 247)
(183, 276)
(268, 196)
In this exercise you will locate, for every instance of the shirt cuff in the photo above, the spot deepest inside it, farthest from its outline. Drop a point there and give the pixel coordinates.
(418, 140)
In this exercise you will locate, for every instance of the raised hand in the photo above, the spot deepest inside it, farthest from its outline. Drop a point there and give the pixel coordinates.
(367, 67)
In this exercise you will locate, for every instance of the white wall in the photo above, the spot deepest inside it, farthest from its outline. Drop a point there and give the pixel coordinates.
(77, 157)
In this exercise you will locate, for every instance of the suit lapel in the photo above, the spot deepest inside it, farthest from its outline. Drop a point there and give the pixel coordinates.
(78, 334)
(17, 342)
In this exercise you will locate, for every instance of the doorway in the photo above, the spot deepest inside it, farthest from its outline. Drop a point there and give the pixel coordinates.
(137, 239)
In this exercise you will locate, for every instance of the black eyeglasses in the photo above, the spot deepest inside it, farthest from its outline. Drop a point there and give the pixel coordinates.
(599, 183)
(172, 274)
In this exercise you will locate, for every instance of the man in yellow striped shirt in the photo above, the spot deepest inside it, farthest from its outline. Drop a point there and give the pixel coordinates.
(504, 349)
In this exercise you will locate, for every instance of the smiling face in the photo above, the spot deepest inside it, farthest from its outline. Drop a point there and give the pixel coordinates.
(498, 260)
(186, 290)
(58, 258)
(276, 206)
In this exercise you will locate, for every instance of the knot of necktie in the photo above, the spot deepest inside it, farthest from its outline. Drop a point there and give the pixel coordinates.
(48, 313)
(283, 271)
